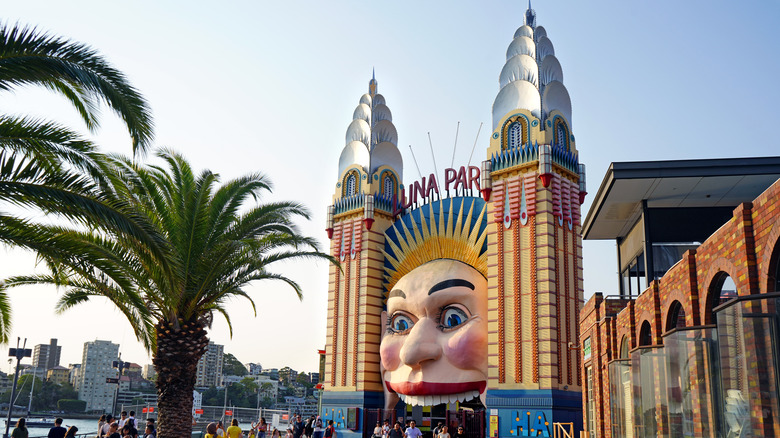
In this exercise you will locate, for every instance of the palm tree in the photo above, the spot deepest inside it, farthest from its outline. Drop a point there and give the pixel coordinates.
(52, 169)
(220, 239)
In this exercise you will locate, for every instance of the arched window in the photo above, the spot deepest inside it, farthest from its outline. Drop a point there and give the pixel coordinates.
(645, 335)
(351, 186)
(561, 135)
(515, 135)
(722, 289)
(388, 185)
(675, 318)
(624, 348)
(773, 274)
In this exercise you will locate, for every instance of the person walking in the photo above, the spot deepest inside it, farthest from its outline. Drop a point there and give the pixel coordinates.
(377, 431)
(234, 431)
(298, 427)
(443, 433)
(330, 431)
(318, 429)
(385, 428)
(396, 431)
(412, 431)
(101, 423)
(460, 433)
(57, 431)
(20, 431)
(308, 430)
(261, 427)
(71, 433)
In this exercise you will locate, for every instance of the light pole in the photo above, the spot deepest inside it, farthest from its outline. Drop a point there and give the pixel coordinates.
(19, 354)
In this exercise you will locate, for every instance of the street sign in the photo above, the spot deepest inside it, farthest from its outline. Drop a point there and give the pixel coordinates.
(229, 413)
(151, 409)
(198, 411)
(112, 380)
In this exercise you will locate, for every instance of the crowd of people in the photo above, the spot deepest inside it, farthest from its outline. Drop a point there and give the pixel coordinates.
(20, 431)
(411, 431)
(124, 427)
(310, 428)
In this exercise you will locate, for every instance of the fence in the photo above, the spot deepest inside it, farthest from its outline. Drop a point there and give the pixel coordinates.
(279, 418)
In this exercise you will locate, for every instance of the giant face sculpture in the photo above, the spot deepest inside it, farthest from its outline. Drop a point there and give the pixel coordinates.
(434, 346)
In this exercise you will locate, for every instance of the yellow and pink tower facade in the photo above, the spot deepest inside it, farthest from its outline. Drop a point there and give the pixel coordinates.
(532, 185)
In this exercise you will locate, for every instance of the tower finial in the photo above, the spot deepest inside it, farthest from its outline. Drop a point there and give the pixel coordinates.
(530, 16)
(373, 69)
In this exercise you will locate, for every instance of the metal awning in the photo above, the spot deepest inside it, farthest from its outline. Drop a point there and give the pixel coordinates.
(695, 184)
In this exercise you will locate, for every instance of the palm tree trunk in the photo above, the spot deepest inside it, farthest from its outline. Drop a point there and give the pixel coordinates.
(176, 363)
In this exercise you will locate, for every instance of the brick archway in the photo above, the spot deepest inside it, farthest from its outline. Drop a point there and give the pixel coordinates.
(691, 314)
(769, 258)
(717, 266)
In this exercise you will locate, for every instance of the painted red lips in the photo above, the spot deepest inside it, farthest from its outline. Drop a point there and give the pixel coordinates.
(432, 388)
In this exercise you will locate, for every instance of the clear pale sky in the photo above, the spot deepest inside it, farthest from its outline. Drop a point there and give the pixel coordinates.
(239, 87)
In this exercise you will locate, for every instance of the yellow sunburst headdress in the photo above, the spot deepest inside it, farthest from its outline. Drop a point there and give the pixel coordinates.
(437, 231)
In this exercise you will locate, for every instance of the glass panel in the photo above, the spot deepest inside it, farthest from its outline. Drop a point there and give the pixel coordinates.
(621, 399)
(649, 391)
(665, 255)
(748, 340)
(692, 377)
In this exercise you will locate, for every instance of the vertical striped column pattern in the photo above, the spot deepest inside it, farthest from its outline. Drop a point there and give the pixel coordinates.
(518, 317)
(355, 327)
(345, 322)
(501, 338)
(534, 309)
(558, 312)
(334, 317)
(566, 303)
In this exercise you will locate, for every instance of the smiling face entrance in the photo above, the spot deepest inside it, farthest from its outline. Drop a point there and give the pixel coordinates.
(434, 343)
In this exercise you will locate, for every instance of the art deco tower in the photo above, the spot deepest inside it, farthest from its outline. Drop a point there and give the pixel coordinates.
(369, 174)
(535, 249)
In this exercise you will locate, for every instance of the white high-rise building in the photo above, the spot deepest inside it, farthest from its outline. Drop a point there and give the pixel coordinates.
(96, 366)
(210, 366)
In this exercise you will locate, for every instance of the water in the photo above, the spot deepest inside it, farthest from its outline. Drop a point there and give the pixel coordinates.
(85, 426)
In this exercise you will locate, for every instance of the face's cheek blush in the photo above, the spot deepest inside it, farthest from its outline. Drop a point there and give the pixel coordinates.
(389, 351)
(467, 348)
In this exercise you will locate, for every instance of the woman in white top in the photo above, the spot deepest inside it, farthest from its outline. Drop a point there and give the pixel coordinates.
(444, 433)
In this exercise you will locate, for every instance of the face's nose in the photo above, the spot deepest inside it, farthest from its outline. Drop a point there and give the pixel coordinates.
(421, 344)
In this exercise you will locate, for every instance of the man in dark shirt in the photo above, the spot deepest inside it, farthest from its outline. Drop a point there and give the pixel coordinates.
(57, 431)
(298, 427)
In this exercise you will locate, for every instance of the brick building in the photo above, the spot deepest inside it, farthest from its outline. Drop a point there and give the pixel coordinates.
(694, 353)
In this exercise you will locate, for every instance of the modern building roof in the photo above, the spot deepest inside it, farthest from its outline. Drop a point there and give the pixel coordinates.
(695, 184)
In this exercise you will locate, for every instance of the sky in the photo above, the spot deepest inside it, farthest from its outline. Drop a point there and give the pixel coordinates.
(246, 86)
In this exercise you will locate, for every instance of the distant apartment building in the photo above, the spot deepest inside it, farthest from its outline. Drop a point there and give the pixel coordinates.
(314, 378)
(149, 373)
(254, 369)
(58, 375)
(134, 370)
(97, 366)
(73, 374)
(287, 375)
(46, 357)
(210, 366)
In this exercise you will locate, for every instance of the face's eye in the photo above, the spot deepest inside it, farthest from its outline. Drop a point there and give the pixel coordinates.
(453, 317)
(400, 323)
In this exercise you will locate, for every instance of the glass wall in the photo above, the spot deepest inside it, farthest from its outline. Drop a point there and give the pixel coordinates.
(649, 391)
(748, 340)
(621, 400)
(692, 376)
